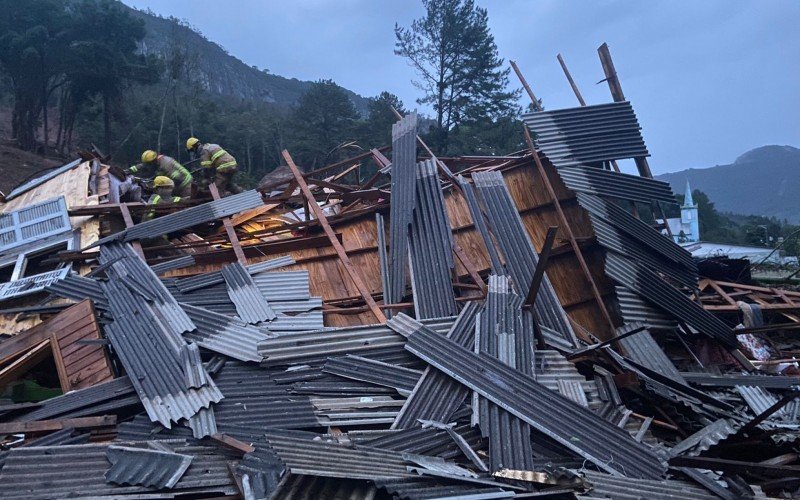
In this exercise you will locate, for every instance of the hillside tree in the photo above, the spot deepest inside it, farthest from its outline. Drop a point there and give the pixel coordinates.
(456, 59)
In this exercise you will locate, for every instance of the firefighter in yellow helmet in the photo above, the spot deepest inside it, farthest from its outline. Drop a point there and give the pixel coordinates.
(162, 165)
(217, 164)
(163, 188)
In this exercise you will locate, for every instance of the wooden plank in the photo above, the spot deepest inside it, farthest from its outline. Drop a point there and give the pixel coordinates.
(323, 220)
(570, 80)
(77, 377)
(537, 106)
(22, 365)
(63, 378)
(56, 425)
(126, 217)
(565, 224)
(721, 292)
(226, 222)
(541, 265)
(473, 272)
(233, 443)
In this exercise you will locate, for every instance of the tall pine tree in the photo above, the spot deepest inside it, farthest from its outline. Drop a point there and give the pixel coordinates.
(460, 71)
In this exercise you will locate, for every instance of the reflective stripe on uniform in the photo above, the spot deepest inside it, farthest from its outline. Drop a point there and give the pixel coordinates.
(205, 163)
(226, 166)
(185, 182)
(176, 199)
(215, 156)
(133, 169)
(155, 199)
(175, 174)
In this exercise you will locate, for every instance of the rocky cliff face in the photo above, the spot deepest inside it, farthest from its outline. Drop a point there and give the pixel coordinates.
(219, 72)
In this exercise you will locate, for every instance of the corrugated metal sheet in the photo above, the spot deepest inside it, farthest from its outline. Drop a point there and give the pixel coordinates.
(480, 223)
(608, 486)
(203, 423)
(601, 182)
(38, 181)
(311, 347)
(316, 457)
(204, 280)
(436, 396)
(78, 471)
(305, 487)
(383, 260)
(647, 284)
(424, 488)
(171, 265)
(187, 218)
(33, 224)
(58, 438)
(192, 365)
(642, 348)
(253, 399)
(225, 335)
(151, 355)
(758, 399)
(151, 468)
(587, 134)
(78, 288)
(735, 379)
(126, 266)
(613, 214)
(431, 248)
(66, 404)
(283, 286)
(251, 306)
(572, 425)
(635, 310)
(404, 160)
(518, 251)
(706, 438)
(374, 372)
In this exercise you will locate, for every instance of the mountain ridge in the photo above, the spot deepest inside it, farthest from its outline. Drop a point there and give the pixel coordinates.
(762, 181)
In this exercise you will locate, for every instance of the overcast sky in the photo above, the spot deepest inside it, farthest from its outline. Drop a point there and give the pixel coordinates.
(708, 79)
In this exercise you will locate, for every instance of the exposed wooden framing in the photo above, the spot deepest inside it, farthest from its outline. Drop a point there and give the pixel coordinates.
(541, 265)
(720, 291)
(470, 267)
(24, 363)
(61, 368)
(537, 106)
(570, 80)
(323, 221)
(565, 224)
(126, 217)
(251, 214)
(226, 221)
(57, 425)
(233, 443)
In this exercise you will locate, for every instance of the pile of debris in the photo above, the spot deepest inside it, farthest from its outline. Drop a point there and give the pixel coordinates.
(472, 327)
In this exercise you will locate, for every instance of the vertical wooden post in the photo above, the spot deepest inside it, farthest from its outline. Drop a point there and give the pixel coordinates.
(226, 221)
(536, 105)
(126, 217)
(565, 224)
(323, 221)
(570, 80)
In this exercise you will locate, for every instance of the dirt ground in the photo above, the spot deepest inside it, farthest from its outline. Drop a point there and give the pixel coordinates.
(17, 165)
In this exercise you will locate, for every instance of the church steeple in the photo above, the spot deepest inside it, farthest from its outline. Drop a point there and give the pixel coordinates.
(688, 201)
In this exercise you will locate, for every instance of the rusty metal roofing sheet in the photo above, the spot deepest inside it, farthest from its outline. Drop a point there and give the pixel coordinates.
(436, 396)
(188, 217)
(587, 134)
(150, 353)
(224, 334)
(145, 467)
(374, 372)
(602, 182)
(646, 283)
(573, 426)
(78, 471)
(251, 306)
(518, 251)
(431, 248)
(404, 160)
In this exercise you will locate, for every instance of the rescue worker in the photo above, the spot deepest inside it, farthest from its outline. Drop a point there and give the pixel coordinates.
(162, 165)
(163, 193)
(217, 164)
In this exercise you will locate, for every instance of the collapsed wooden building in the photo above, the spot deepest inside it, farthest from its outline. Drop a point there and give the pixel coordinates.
(470, 327)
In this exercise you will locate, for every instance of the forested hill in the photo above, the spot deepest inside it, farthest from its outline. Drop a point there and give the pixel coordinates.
(219, 72)
(763, 181)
